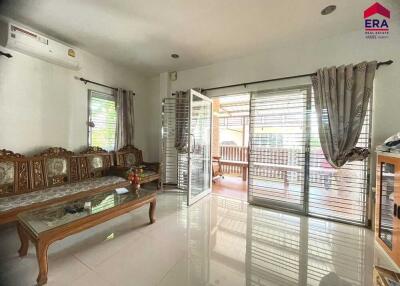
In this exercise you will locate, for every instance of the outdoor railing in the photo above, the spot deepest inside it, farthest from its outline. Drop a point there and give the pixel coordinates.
(289, 157)
(233, 153)
(278, 156)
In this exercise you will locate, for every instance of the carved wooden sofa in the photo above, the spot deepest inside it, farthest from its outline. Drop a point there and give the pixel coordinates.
(129, 157)
(55, 175)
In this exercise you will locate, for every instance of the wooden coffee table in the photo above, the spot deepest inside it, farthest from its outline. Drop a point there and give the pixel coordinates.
(55, 222)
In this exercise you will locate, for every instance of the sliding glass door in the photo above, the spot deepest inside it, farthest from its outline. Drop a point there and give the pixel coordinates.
(278, 144)
(287, 168)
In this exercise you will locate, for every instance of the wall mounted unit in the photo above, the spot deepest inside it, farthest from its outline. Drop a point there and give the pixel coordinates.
(31, 43)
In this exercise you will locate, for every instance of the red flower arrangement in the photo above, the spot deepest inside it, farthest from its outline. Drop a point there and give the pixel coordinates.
(134, 177)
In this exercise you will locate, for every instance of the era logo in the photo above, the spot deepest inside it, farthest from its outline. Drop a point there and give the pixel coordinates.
(376, 21)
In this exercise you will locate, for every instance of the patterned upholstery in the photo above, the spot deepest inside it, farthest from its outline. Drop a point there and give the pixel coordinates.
(8, 203)
(14, 173)
(56, 167)
(96, 162)
(6, 173)
(56, 171)
(9, 167)
(130, 159)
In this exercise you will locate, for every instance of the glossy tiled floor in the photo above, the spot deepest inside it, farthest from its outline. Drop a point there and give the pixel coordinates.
(217, 242)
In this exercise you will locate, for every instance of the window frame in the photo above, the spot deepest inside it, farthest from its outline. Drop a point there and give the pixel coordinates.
(102, 95)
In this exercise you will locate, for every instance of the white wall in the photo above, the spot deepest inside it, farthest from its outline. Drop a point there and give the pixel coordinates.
(42, 104)
(306, 57)
(153, 124)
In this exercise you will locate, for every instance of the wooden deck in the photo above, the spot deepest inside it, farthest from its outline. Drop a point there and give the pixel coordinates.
(232, 187)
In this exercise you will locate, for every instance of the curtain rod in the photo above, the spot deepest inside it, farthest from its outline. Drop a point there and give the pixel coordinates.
(8, 55)
(389, 62)
(85, 81)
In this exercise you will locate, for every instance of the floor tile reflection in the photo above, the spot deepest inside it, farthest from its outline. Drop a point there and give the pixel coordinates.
(217, 241)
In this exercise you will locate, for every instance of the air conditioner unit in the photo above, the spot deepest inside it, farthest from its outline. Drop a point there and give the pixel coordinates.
(31, 43)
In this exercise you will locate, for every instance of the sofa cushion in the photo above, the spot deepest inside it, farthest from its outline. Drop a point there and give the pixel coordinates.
(149, 176)
(148, 173)
(9, 203)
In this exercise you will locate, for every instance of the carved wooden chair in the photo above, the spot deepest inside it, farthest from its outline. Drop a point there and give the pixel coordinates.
(99, 161)
(131, 157)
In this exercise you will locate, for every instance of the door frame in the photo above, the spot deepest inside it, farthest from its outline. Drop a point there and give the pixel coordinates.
(192, 200)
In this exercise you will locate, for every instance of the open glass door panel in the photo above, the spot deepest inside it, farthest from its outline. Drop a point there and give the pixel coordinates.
(200, 127)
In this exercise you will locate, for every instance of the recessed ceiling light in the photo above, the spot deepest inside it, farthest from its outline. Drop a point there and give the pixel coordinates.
(328, 9)
(174, 56)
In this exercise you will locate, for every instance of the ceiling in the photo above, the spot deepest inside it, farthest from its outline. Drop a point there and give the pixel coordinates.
(142, 34)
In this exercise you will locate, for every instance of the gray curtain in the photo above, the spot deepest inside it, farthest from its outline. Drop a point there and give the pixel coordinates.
(181, 121)
(124, 134)
(342, 95)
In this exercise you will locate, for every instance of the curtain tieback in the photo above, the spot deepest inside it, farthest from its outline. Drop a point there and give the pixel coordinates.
(358, 154)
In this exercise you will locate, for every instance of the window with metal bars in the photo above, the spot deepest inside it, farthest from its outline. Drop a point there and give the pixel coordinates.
(102, 120)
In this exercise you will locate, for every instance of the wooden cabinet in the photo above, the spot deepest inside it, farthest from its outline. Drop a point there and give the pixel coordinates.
(387, 208)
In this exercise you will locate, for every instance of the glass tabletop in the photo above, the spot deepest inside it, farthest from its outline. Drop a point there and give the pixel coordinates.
(53, 216)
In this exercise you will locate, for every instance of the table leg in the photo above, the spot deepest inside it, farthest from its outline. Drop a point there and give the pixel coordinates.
(23, 237)
(152, 210)
(41, 253)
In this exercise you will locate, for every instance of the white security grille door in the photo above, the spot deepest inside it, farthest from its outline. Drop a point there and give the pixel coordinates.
(288, 169)
(340, 194)
(175, 165)
(277, 155)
